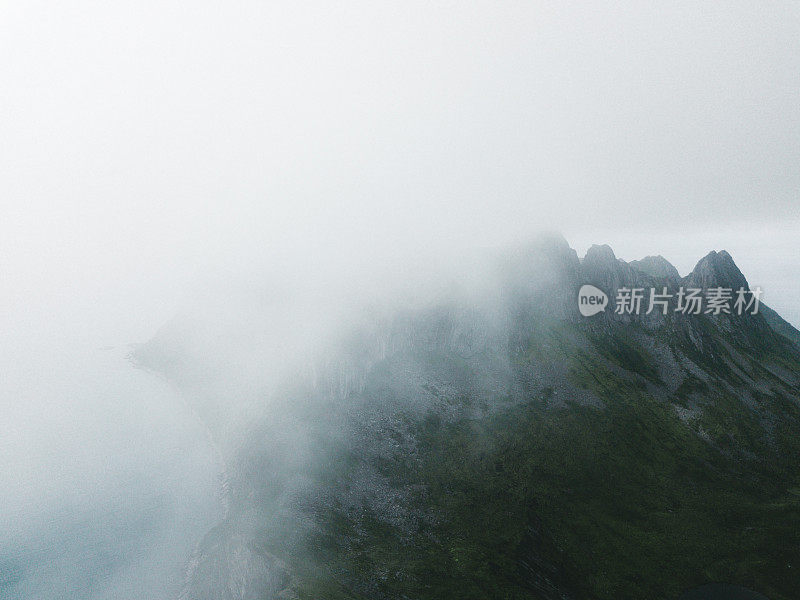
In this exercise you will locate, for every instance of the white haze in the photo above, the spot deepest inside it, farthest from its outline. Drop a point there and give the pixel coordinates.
(150, 149)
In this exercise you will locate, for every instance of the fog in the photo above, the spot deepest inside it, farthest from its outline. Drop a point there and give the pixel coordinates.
(154, 151)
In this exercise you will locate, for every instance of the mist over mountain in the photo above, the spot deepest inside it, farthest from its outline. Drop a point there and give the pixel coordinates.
(358, 373)
(472, 435)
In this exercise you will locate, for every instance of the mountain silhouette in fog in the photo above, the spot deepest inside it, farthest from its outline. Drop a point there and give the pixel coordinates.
(491, 442)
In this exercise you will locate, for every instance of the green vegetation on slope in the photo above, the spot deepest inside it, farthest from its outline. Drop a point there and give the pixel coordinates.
(624, 501)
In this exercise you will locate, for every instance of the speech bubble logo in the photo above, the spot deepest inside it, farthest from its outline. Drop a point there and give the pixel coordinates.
(591, 300)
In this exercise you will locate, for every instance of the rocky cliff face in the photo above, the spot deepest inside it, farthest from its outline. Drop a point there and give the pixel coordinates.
(501, 445)
(656, 266)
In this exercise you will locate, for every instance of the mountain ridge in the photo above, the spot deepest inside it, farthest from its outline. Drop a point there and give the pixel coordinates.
(505, 446)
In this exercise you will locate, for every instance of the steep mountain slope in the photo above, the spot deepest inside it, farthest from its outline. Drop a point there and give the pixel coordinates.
(497, 444)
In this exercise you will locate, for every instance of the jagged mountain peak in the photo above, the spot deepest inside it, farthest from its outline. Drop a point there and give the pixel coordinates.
(600, 254)
(438, 431)
(656, 266)
(717, 269)
(601, 267)
(601, 262)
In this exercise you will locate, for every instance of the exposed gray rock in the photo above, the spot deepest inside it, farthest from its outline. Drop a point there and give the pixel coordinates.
(658, 267)
(230, 566)
(716, 269)
(461, 358)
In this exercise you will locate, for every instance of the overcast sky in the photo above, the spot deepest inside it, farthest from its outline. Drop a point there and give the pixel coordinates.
(142, 140)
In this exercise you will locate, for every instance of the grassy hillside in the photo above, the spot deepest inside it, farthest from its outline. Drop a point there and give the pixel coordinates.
(620, 501)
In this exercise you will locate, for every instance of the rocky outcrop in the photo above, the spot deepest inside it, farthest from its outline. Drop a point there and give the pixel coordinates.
(716, 269)
(230, 565)
(330, 466)
(657, 267)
